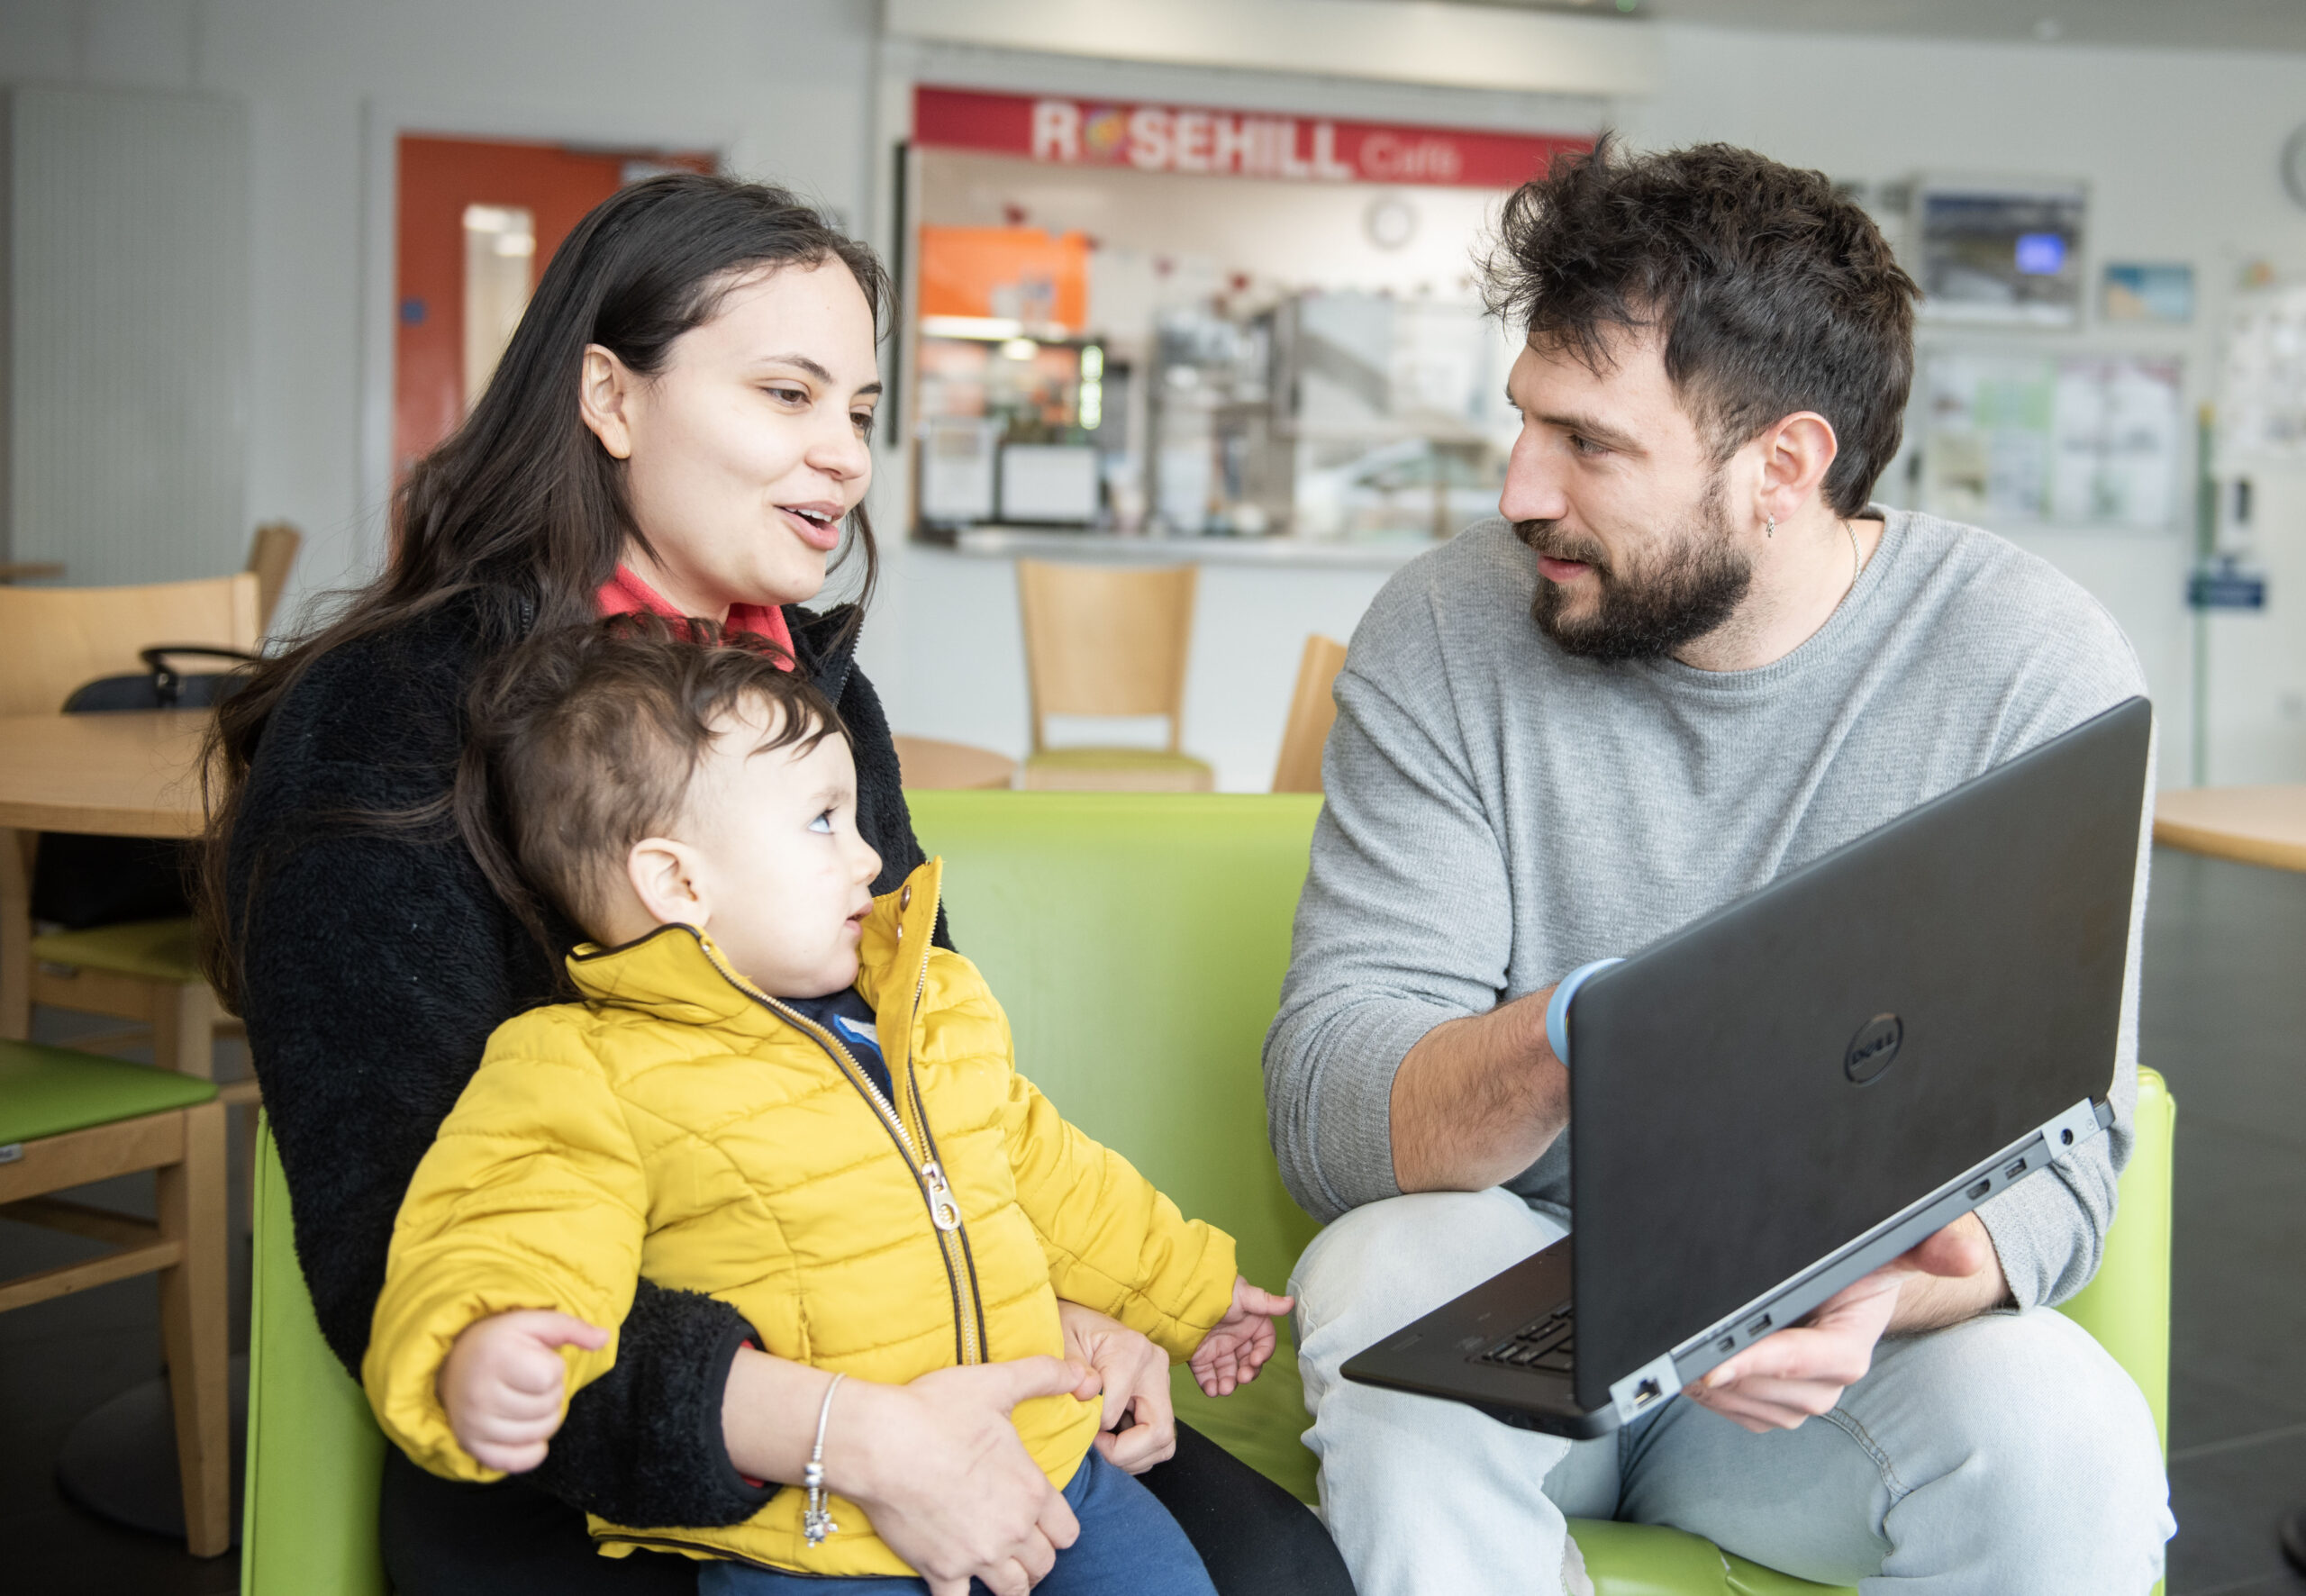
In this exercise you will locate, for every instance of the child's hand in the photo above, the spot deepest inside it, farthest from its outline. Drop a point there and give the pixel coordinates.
(501, 1384)
(1232, 1354)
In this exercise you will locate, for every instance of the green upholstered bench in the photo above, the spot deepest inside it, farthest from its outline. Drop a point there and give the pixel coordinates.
(1137, 942)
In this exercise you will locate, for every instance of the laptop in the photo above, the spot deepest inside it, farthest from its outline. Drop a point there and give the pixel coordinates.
(1788, 1093)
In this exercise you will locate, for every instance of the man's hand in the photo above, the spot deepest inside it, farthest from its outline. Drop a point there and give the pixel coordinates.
(1801, 1373)
(1955, 1276)
(1140, 1424)
(1233, 1352)
(503, 1381)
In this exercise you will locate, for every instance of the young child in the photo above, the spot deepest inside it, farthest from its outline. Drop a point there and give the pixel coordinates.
(774, 1091)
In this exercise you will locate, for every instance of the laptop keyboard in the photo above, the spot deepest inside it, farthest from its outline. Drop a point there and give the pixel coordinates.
(1547, 1344)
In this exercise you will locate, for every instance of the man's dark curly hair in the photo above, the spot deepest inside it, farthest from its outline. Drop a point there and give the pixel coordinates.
(1772, 294)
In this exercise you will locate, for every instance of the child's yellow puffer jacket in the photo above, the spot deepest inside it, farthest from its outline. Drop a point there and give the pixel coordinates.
(680, 1124)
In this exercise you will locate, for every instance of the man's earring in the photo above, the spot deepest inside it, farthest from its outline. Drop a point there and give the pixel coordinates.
(1773, 528)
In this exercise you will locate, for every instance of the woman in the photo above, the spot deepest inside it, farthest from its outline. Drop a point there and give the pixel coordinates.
(680, 423)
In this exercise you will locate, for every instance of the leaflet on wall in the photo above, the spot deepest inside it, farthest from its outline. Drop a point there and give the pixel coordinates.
(2262, 383)
(2077, 440)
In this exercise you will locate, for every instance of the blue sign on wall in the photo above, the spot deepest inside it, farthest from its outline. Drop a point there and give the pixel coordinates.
(2226, 586)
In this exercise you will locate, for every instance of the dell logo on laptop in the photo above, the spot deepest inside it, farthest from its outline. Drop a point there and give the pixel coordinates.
(1874, 1048)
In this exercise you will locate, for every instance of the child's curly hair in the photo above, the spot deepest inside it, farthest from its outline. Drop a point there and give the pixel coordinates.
(583, 740)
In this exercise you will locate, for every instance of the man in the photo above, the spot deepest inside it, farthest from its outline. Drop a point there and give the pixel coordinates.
(1690, 657)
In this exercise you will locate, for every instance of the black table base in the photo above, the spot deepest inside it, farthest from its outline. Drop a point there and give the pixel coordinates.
(120, 1461)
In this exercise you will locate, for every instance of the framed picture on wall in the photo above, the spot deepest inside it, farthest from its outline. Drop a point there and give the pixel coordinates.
(2000, 252)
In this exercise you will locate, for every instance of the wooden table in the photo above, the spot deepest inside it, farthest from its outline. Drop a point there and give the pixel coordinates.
(2252, 825)
(127, 775)
(925, 762)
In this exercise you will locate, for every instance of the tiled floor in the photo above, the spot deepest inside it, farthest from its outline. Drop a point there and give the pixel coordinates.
(2224, 1019)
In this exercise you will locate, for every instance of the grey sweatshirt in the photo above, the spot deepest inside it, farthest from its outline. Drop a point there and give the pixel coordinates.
(1500, 812)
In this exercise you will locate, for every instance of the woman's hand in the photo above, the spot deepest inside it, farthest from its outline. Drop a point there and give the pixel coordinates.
(949, 1485)
(1134, 1375)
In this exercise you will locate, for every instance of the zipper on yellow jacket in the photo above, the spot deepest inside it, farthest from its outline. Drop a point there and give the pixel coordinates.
(961, 1261)
(910, 1132)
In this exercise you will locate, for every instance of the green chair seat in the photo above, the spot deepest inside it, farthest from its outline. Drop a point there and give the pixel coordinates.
(48, 1091)
(153, 949)
(1137, 942)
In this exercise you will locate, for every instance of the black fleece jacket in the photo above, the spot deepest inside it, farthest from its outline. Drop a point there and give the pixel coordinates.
(375, 962)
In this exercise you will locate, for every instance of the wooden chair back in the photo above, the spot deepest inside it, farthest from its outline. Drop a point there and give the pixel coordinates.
(1311, 711)
(54, 640)
(1102, 640)
(272, 555)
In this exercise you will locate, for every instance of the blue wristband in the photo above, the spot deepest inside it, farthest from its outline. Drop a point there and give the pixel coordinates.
(1557, 1011)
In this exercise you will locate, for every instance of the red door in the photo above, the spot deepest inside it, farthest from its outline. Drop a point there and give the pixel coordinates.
(531, 192)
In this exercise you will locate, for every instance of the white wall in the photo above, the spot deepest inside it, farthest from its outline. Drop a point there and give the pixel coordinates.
(127, 434)
(2179, 149)
(782, 88)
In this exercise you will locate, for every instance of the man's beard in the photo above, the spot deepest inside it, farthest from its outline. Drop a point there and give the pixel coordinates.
(1646, 615)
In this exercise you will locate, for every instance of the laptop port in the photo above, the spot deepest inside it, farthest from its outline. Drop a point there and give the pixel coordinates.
(1981, 1189)
(2014, 1171)
(1648, 1391)
(1759, 1324)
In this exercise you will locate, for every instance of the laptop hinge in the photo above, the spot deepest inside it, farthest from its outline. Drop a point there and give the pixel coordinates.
(2071, 1129)
(1646, 1387)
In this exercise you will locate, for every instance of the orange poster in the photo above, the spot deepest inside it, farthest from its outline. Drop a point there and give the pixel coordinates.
(1018, 274)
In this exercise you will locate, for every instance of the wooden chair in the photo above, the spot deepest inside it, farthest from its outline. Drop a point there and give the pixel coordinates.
(1109, 642)
(52, 640)
(1311, 711)
(931, 763)
(69, 1118)
(272, 555)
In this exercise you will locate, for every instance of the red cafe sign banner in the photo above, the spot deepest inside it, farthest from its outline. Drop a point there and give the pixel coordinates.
(1233, 143)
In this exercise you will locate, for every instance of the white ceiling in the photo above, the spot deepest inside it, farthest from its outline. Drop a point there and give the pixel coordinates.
(2198, 24)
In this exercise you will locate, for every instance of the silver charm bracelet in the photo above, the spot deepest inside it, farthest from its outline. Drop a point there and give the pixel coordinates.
(816, 1523)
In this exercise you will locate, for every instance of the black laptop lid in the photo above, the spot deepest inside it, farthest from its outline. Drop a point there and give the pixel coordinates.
(1734, 1119)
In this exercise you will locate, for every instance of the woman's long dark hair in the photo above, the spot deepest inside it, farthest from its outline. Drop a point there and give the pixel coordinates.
(521, 509)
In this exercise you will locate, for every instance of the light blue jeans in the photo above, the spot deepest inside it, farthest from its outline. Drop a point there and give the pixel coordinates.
(1129, 1546)
(2006, 1453)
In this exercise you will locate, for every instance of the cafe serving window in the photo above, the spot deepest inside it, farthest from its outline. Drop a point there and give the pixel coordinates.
(1154, 321)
